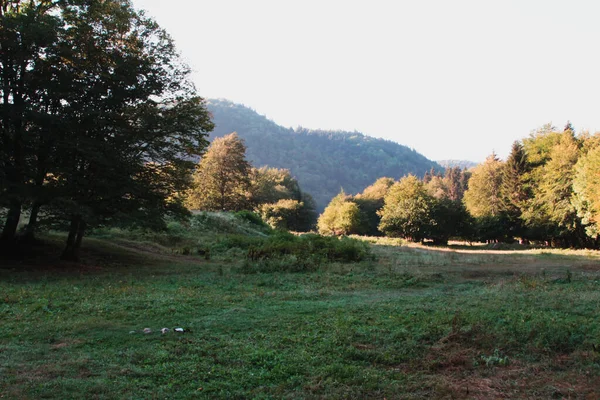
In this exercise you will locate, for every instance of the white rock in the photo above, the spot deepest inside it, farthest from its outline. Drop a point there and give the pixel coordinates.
(131, 332)
(164, 330)
(180, 330)
(147, 330)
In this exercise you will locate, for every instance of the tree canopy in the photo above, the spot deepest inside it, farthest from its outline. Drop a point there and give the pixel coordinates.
(99, 118)
(222, 180)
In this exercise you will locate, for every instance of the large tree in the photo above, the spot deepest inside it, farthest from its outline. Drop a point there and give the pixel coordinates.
(407, 211)
(222, 180)
(109, 123)
(514, 189)
(275, 194)
(549, 213)
(29, 42)
(340, 217)
(483, 198)
(586, 188)
(370, 201)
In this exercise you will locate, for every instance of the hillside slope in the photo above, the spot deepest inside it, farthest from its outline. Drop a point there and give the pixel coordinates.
(322, 161)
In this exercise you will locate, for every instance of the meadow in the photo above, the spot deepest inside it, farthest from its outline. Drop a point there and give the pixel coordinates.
(404, 321)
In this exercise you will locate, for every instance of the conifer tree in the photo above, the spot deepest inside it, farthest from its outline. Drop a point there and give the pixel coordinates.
(513, 189)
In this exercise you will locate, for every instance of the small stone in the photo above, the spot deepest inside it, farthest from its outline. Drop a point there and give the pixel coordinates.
(180, 330)
(164, 330)
(131, 332)
(147, 330)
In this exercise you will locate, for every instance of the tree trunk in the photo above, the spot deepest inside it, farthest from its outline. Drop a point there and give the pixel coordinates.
(12, 221)
(32, 224)
(70, 253)
(80, 233)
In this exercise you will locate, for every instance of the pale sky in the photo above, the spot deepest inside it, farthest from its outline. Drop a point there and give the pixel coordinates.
(452, 79)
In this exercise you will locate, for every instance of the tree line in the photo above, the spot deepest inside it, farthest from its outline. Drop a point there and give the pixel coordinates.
(99, 121)
(322, 161)
(546, 191)
(226, 181)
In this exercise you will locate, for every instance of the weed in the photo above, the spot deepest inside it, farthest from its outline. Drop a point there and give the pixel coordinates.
(495, 359)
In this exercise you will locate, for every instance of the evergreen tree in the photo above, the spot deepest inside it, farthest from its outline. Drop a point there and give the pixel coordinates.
(456, 183)
(513, 188)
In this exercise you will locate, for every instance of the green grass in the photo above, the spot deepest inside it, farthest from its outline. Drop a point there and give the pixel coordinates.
(412, 323)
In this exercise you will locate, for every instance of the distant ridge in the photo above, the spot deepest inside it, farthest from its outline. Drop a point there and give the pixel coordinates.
(462, 164)
(323, 161)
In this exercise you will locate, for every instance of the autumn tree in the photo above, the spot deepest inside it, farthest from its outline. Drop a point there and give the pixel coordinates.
(222, 179)
(550, 214)
(482, 197)
(586, 192)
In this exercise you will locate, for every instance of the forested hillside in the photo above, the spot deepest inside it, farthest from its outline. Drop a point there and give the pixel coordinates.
(322, 161)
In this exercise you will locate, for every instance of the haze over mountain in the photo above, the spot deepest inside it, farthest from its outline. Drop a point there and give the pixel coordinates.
(462, 164)
(324, 162)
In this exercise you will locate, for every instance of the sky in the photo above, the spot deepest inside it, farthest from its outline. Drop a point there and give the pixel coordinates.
(452, 79)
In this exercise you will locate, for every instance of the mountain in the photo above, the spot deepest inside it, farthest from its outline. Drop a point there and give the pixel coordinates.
(323, 161)
(462, 164)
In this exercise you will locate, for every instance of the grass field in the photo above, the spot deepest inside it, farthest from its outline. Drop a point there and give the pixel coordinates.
(412, 322)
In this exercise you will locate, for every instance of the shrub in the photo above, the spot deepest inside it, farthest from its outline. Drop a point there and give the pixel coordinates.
(250, 217)
(286, 252)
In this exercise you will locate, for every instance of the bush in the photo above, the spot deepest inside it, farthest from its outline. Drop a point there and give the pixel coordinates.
(286, 252)
(250, 217)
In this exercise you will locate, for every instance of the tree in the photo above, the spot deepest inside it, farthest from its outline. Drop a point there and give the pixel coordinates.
(133, 116)
(110, 115)
(277, 198)
(341, 216)
(550, 211)
(449, 218)
(28, 39)
(407, 210)
(456, 182)
(269, 185)
(221, 182)
(513, 188)
(586, 191)
(482, 198)
(370, 201)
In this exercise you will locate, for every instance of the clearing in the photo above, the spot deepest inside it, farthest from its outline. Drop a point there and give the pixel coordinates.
(414, 322)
